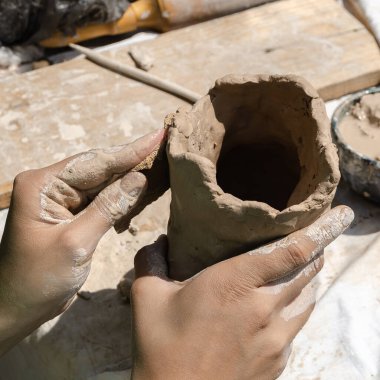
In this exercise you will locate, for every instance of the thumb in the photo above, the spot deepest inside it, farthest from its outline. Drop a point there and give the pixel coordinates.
(110, 205)
(288, 255)
(151, 260)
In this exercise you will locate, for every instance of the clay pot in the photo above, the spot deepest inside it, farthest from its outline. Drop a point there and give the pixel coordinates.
(250, 162)
(360, 171)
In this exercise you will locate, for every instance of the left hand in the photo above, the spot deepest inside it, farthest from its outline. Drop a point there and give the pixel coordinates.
(57, 217)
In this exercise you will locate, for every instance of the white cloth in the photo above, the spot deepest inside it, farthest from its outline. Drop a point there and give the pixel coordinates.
(342, 338)
(371, 10)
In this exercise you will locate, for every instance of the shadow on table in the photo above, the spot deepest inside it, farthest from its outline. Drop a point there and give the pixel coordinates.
(92, 337)
(367, 213)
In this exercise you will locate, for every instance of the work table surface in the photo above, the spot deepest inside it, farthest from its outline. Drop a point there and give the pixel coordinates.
(55, 112)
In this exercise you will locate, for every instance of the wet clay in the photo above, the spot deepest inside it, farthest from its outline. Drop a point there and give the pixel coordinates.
(360, 128)
(251, 162)
(155, 168)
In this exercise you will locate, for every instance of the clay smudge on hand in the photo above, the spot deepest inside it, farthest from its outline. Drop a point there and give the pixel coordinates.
(269, 248)
(320, 234)
(56, 199)
(276, 287)
(116, 200)
(328, 227)
(80, 267)
(85, 172)
(306, 299)
(88, 173)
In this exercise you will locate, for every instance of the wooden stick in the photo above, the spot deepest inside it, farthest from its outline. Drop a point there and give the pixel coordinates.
(138, 74)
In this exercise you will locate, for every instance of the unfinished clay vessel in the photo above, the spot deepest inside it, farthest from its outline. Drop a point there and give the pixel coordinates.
(250, 162)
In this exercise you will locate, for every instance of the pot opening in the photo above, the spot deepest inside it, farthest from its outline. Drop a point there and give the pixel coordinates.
(262, 138)
(266, 127)
(264, 172)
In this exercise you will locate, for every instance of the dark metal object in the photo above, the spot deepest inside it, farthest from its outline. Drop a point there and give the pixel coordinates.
(360, 171)
(32, 20)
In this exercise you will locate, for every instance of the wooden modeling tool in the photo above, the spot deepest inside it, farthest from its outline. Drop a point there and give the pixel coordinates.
(138, 74)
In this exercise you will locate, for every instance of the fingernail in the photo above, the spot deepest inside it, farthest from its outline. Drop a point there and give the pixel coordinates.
(161, 239)
(347, 216)
(133, 184)
(154, 137)
(329, 226)
(144, 144)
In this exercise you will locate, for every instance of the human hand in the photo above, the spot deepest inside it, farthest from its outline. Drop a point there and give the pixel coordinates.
(57, 217)
(235, 319)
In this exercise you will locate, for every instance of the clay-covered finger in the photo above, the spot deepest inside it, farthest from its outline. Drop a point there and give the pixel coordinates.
(111, 204)
(63, 194)
(285, 326)
(288, 322)
(151, 260)
(294, 317)
(116, 200)
(285, 256)
(289, 288)
(91, 169)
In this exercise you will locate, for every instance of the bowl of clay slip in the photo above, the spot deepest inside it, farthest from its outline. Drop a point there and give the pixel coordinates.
(250, 162)
(356, 132)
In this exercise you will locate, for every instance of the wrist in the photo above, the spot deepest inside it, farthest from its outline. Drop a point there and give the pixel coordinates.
(164, 370)
(17, 320)
(15, 325)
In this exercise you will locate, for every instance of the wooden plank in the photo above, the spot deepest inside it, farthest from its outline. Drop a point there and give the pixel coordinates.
(58, 111)
(317, 39)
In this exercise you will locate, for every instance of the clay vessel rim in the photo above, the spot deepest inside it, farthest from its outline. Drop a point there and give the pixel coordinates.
(340, 112)
(314, 199)
(216, 192)
(236, 79)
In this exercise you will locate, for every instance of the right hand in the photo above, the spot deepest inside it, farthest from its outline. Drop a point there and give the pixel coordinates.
(235, 319)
